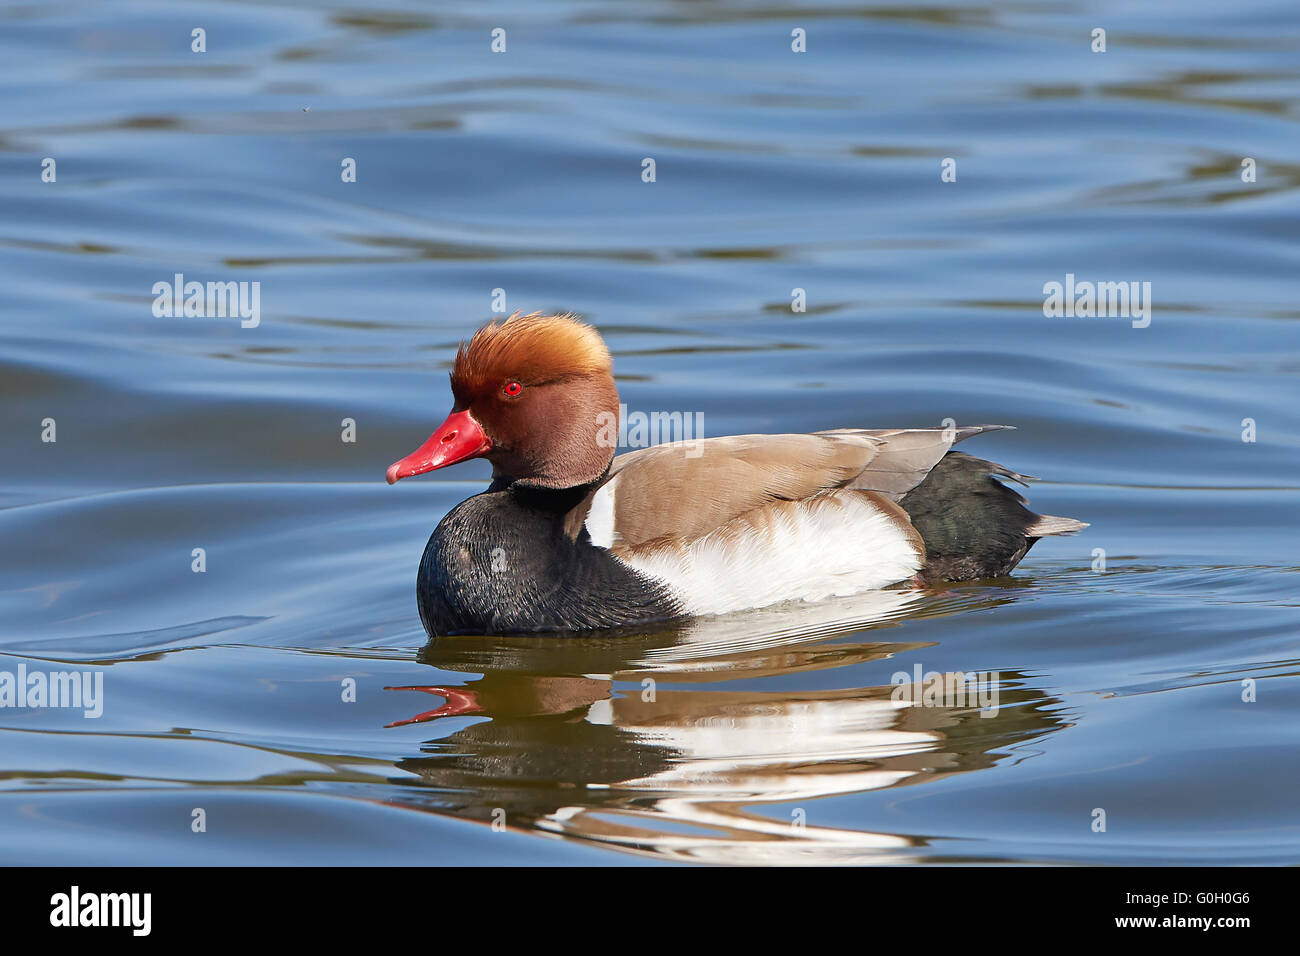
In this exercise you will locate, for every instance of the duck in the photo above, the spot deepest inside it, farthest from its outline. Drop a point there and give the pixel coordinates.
(570, 537)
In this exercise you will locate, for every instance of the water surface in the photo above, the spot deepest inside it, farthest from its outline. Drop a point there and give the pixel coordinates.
(772, 737)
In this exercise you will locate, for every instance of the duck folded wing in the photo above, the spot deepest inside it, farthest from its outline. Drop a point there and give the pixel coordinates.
(906, 455)
(686, 490)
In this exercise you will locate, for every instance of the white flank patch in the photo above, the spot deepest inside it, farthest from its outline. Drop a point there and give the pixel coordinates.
(830, 546)
(600, 516)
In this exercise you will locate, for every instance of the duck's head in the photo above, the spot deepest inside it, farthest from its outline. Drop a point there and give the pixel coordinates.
(533, 394)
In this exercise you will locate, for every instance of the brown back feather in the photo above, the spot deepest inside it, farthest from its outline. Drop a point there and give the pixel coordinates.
(685, 490)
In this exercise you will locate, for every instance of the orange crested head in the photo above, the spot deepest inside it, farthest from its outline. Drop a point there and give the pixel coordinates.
(535, 395)
(534, 349)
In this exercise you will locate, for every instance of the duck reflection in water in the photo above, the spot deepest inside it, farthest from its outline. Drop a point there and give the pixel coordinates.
(658, 766)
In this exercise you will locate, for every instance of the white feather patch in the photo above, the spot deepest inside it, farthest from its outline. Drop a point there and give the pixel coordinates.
(835, 544)
(600, 516)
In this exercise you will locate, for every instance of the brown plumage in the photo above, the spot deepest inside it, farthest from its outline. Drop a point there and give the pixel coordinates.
(687, 489)
(534, 349)
(546, 435)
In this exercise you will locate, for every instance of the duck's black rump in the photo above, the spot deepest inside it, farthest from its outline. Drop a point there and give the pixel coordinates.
(972, 524)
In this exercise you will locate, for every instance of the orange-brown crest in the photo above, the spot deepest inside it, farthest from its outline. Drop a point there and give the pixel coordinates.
(534, 349)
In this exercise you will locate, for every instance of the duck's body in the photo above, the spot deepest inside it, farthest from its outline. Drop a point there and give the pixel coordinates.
(569, 537)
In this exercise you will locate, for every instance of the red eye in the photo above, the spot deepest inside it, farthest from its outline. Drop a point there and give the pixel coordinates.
(513, 389)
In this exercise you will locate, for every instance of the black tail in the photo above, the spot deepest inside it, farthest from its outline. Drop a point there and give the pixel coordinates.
(973, 525)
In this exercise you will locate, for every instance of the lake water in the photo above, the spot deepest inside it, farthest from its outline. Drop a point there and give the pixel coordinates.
(1147, 668)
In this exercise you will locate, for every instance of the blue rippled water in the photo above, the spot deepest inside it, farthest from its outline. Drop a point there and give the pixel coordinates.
(1147, 668)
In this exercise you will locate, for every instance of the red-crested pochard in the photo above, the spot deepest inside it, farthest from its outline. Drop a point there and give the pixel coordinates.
(568, 536)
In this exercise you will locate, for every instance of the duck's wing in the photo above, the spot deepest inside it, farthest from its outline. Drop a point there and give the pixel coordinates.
(906, 455)
(685, 490)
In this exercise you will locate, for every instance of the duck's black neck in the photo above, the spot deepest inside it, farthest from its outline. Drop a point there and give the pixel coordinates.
(558, 501)
(518, 558)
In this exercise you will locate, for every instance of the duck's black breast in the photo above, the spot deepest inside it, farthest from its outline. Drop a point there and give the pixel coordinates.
(501, 562)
